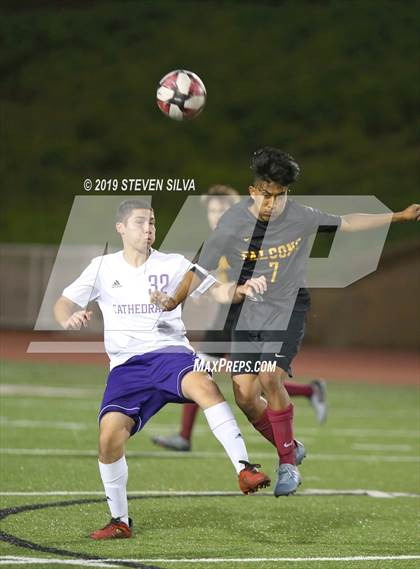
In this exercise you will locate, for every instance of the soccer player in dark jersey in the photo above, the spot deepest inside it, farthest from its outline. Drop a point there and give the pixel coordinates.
(218, 200)
(266, 238)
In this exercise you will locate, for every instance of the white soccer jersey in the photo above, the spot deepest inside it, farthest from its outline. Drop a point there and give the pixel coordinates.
(132, 325)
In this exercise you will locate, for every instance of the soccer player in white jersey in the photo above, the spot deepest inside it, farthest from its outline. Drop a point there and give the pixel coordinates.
(151, 360)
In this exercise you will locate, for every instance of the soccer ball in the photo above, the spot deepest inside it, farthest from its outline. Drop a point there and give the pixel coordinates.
(181, 95)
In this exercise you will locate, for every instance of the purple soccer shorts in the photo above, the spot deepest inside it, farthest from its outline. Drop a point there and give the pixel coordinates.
(144, 384)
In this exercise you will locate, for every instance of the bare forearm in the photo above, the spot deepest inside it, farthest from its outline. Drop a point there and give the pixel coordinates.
(69, 315)
(234, 293)
(226, 293)
(63, 309)
(362, 221)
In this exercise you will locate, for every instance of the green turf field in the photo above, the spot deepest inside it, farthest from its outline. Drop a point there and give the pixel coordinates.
(370, 442)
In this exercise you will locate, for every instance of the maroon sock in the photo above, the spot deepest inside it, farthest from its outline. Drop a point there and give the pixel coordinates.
(189, 413)
(294, 389)
(263, 425)
(282, 425)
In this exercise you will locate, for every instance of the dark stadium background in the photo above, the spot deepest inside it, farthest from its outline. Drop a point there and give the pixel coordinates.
(334, 83)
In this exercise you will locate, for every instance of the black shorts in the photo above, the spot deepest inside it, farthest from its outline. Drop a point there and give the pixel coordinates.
(268, 346)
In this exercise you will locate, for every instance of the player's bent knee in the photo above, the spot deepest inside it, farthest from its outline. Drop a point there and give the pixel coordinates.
(109, 439)
(200, 388)
(209, 391)
(245, 399)
(271, 381)
(111, 446)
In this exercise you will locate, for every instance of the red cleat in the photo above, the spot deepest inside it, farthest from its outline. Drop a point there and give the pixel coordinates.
(250, 479)
(116, 529)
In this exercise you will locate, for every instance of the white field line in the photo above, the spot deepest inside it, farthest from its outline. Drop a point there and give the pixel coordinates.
(381, 433)
(210, 493)
(8, 389)
(27, 423)
(11, 560)
(379, 447)
(279, 559)
(358, 413)
(205, 454)
(90, 405)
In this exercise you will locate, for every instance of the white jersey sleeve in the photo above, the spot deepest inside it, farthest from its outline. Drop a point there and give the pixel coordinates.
(86, 287)
(207, 281)
(184, 265)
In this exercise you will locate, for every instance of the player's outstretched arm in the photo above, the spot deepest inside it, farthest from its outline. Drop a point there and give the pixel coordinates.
(69, 315)
(362, 221)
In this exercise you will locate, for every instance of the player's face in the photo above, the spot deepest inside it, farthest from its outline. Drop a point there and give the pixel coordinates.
(138, 231)
(269, 199)
(216, 207)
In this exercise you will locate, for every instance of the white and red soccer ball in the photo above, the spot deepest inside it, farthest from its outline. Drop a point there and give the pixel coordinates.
(181, 95)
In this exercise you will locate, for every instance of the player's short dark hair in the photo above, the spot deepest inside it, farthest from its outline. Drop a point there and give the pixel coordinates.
(126, 207)
(220, 191)
(273, 165)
